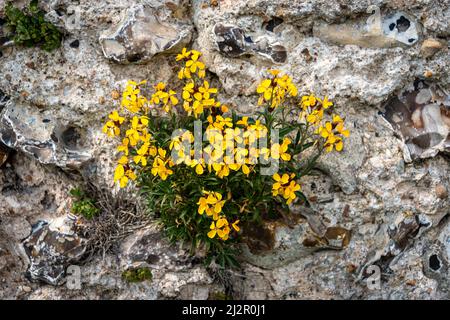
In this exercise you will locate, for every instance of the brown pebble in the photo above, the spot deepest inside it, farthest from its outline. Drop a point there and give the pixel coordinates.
(441, 191)
(101, 100)
(351, 268)
(411, 282)
(428, 74)
(26, 289)
(115, 94)
(30, 65)
(430, 47)
(345, 212)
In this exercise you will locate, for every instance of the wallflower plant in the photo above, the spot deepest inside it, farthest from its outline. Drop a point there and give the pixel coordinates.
(207, 172)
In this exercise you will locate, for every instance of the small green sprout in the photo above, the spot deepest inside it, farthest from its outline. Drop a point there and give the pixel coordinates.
(83, 205)
(137, 275)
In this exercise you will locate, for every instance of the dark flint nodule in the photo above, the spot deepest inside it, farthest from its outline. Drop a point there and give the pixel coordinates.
(75, 44)
(231, 40)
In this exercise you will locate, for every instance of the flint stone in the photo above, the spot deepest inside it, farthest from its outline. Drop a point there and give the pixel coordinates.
(24, 128)
(52, 247)
(141, 35)
(232, 41)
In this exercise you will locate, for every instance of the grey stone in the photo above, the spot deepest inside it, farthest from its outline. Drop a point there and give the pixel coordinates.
(51, 247)
(141, 35)
(42, 137)
(233, 42)
(273, 245)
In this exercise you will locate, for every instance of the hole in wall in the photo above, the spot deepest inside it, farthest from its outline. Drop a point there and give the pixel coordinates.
(403, 24)
(273, 23)
(435, 263)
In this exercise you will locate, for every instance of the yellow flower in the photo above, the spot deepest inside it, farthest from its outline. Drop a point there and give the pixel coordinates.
(111, 128)
(339, 126)
(277, 187)
(325, 103)
(130, 174)
(265, 88)
(315, 116)
(213, 232)
(188, 90)
(160, 86)
(243, 122)
(277, 151)
(123, 160)
(224, 232)
(131, 98)
(114, 116)
(285, 186)
(141, 155)
(330, 132)
(202, 205)
(222, 170)
(211, 203)
(276, 89)
(193, 64)
(159, 165)
(183, 55)
(289, 191)
(206, 90)
(308, 101)
(220, 228)
(122, 176)
(184, 73)
(274, 72)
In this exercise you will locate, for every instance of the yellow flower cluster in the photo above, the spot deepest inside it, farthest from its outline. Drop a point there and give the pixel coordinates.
(134, 109)
(112, 126)
(166, 99)
(333, 132)
(285, 186)
(132, 99)
(192, 64)
(160, 165)
(231, 147)
(313, 108)
(212, 204)
(197, 99)
(276, 89)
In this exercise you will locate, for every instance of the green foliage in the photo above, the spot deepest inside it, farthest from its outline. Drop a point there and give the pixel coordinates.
(29, 27)
(83, 205)
(137, 275)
